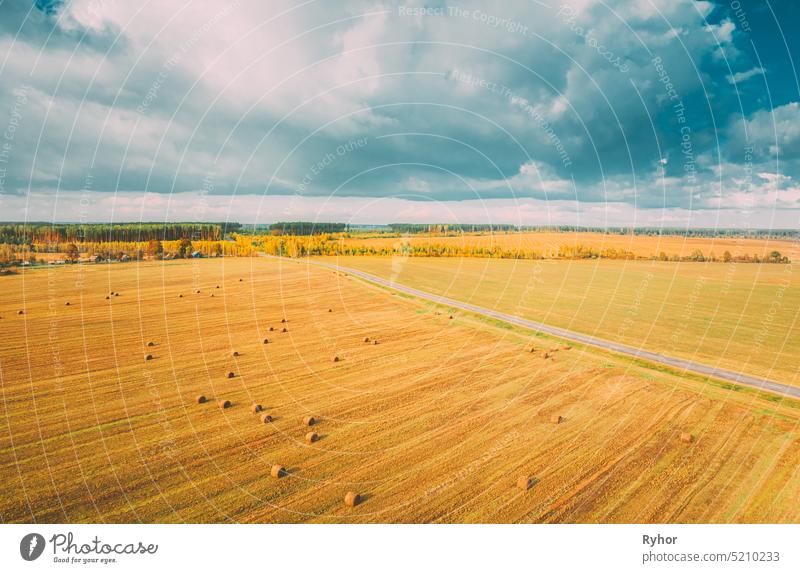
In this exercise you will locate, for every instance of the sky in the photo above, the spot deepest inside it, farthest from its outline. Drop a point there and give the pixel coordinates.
(672, 113)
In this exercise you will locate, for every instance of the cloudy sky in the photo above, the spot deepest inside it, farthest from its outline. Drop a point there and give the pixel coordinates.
(629, 112)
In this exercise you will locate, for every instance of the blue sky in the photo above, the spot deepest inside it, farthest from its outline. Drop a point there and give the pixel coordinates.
(639, 112)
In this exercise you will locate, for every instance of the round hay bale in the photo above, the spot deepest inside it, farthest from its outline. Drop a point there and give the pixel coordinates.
(225, 404)
(231, 375)
(217, 286)
(111, 293)
(116, 294)
(546, 355)
(180, 296)
(336, 359)
(201, 399)
(532, 349)
(352, 499)
(66, 303)
(266, 341)
(284, 321)
(212, 295)
(366, 339)
(23, 312)
(197, 291)
(687, 438)
(148, 357)
(556, 419)
(266, 418)
(151, 343)
(309, 421)
(241, 280)
(451, 317)
(271, 328)
(524, 483)
(374, 342)
(108, 297)
(330, 310)
(278, 471)
(256, 408)
(235, 353)
(285, 329)
(312, 437)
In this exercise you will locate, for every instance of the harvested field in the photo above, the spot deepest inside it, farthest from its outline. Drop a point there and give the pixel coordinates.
(436, 424)
(741, 317)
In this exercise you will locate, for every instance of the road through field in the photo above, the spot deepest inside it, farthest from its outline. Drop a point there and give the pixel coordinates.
(686, 365)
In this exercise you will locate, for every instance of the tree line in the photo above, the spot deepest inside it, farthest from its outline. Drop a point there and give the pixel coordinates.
(30, 233)
(335, 245)
(708, 232)
(305, 228)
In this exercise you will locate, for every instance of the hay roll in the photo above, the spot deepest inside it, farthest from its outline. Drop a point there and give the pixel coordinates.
(285, 329)
(231, 375)
(23, 312)
(687, 438)
(556, 419)
(266, 341)
(235, 353)
(312, 437)
(330, 310)
(148, 357)
(201, 399)
(374, 342)
(66, 303)
(336, 359)
(352, 499)
(309, 421)
(524, 483)
(366, 339)
(266, 419)
(151, 343)
(278, 471)
(225, 404)
(256, 408)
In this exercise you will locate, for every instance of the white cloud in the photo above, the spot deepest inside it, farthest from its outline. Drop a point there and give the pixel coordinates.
(250, 209)
(739, 77)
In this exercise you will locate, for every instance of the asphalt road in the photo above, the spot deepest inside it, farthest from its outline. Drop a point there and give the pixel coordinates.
(677, 363)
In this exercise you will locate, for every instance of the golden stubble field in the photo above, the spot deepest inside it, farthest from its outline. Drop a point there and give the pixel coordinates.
(435, 423)
(741, 317)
